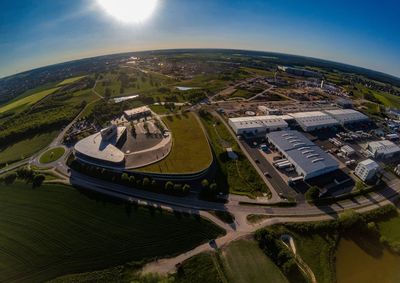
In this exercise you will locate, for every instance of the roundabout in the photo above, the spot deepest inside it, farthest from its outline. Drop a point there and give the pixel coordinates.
(52, 155)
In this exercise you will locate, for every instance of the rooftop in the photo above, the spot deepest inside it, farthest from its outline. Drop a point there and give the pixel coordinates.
(307, 155)
(136, 111)
(96, 147)
(259, 121)
(346, 115)
(369, 164)
(313, 118)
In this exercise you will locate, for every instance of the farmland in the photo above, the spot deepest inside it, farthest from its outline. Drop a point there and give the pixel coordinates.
(70, 80)
(244, 261)
(55, 230)
(20, 104)
(190, 150)
(25, 148)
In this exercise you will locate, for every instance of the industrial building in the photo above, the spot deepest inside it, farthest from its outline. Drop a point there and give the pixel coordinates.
(257, 125)
(314, 120)
(137, 113)
(103, 147)
(299, 72)
(308, 159)
(347, 116)
(366, 169)
(383, 149)
(269, 111)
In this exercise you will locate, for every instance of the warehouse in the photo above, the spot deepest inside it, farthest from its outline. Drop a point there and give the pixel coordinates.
(308, 159)
(366, 169)
(383, 149)
(315, 120)
(257, 125)
(137, 113)
(347, 116)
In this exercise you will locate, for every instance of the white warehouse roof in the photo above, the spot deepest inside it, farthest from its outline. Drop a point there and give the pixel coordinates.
(261, 123)
(346, 116)
(369, 164)
(137, 111)
(308, 159)
(309, 121)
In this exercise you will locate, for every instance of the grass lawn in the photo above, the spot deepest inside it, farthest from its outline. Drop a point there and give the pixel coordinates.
(390, 230)
(244, 262)
(201, 268)
(190, 150)
(25, 148)
(27, 101)
(237, 175)
(161, 109)
(70, 80)
(55, 230)
(52, 155)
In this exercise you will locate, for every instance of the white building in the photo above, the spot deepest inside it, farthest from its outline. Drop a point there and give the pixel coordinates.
(269, 111)
(383, 149)
(366, 169)
(315, 120)
(257, 125)
(347, 150)
(137, 113)
(347, 116)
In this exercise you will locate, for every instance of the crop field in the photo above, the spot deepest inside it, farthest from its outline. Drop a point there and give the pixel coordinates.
(25, 148)
(52, 155)
(70, 80)
(390, 230)
(55, 230)
(190, 150)
(244, 262)
(19, 104)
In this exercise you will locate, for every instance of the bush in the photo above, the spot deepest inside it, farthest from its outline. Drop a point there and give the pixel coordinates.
(38, 180)
(312, 194)
(10, 178)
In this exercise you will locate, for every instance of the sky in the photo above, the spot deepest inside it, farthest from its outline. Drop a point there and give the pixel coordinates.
(35, 33)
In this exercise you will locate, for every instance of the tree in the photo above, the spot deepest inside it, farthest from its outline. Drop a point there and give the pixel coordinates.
(169, 186)
(38, 180)
(125, 178)
(146, 182)
(312, 193)
(132, 180)
(205, 184)
(107, 93)
(186, 189)
(10, 178)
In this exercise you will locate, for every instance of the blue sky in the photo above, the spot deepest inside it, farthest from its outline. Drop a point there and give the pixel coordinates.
(365, 33)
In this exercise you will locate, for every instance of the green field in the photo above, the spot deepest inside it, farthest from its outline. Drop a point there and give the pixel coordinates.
(245, 262)
(239, 176)
(390, 230)
(27, 101)
(52, 155)
(25, 148)
(55, 230)
(243, 93)
(190, 150)
(70, 80)
(386, 99)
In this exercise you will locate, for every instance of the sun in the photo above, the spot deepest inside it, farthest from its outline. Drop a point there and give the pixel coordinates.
(129, 11)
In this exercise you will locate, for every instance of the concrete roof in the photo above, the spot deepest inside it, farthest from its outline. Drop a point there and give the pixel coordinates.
(346, 115)
(314, 118)
(303, 152)
(383, 147)
(370, 164)
(258, 122)
(95, 147)
(136, 111)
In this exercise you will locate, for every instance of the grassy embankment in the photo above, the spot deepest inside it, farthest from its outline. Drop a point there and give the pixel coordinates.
(190, 149)
(70, 80)
(237, 175)
(55, 230)
(52, 155)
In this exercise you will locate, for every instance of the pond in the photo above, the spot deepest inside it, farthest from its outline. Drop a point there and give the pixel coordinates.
(354, 264)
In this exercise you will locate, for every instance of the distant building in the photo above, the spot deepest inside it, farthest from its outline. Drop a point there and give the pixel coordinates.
(366, 169)
(231, 154)
(347, 116)
(257, 125)
(269, 111)
(308, 159)
(345, 103)
(137, 113)
(383, 149)
(347, 150)
(315, 120)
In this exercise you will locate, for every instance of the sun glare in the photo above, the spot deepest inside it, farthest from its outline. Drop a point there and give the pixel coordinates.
(129, 11)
